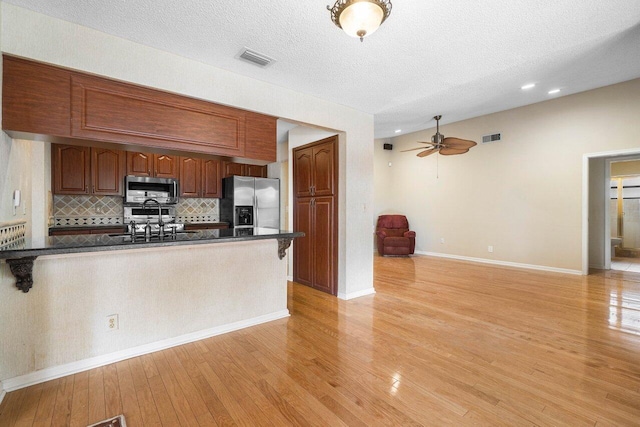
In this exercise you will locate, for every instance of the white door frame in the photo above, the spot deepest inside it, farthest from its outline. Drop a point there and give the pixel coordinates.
(628, 154)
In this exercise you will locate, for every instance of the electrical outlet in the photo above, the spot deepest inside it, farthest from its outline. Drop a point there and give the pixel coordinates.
(442, 240)
(112, 322)
(490, 248)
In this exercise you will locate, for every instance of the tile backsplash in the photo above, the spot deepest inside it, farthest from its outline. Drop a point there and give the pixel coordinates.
(108, 210)
(198, 210)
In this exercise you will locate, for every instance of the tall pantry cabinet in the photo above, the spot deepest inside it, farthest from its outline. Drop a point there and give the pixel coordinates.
(315, 188)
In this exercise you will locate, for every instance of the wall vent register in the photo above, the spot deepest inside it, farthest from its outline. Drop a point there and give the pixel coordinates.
(491, 138)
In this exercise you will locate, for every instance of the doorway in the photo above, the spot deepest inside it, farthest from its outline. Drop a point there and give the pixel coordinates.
(624, 215)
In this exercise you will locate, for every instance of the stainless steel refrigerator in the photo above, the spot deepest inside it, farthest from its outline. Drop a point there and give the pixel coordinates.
(250, 202)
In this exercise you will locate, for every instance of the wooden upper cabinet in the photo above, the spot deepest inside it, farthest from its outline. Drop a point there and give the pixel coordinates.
(165, 166)
(35, 98)
(260, 137)
(323, 172)
(314, 171)
(302, 179)
(255, 171)
(43, 99)
(84, 170)
(139, 164)
(147, 164)
(107, 171)
(190, 177)
(233, 169)
(107, 110)
(211, 178)
(71, 169)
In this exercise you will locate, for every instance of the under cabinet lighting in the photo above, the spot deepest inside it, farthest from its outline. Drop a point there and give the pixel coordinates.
(398, 130)
(528, 86)
(554, 91)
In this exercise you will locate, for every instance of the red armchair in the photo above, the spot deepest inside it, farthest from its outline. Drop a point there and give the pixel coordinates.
(393, 235)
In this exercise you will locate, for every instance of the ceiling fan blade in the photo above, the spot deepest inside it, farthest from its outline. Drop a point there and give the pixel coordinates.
(457, 143)
(427, 152)
(425, 142)
(412, 149)
(447, 151)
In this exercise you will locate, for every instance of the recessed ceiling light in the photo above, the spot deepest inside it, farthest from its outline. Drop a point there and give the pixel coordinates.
(398, 130)
(529, 86)
(551, 92)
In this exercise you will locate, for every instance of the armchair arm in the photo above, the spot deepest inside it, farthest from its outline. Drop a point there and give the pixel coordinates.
(410, 234)
(381, 234)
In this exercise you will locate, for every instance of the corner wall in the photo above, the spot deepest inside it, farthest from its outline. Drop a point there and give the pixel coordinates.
(522, 195)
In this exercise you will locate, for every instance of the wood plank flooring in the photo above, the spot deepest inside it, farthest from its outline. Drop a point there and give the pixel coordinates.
(442, 342)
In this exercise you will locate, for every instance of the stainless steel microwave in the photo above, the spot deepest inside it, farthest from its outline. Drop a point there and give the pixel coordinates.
(138, 189)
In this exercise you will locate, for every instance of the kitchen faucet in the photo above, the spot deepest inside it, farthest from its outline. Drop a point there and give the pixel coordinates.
(160, 223)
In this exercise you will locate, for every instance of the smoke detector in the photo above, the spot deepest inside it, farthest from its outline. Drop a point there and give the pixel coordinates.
(255, 58)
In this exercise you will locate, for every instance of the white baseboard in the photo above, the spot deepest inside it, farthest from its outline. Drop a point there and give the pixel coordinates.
(503, 263)
(52, 373)
(290, 278)
(357, 294)
(2, 394)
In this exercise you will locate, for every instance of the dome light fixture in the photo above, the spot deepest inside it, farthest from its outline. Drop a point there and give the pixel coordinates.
(360, 18)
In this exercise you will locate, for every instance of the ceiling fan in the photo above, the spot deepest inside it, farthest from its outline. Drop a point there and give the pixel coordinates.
(440, 144)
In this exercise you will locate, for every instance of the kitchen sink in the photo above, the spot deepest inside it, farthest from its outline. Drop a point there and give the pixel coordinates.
(167, 235)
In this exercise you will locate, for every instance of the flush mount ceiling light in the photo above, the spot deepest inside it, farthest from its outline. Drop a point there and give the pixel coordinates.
(360, 18)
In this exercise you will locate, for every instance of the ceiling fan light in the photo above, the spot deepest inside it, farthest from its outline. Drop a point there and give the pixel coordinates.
(360, 18)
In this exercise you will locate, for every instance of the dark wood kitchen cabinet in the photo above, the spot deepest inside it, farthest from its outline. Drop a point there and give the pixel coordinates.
(85, 170)
(108, 110)
(36, 98)
(190, 177)
(255, 171)
(71, 169)
(315, 204)
(46, 100)
(232, 169)
(147, 164)
(107, 171)
(200, 177)
(242, 169)
(211, 178)
(315, 171)
(260, 135)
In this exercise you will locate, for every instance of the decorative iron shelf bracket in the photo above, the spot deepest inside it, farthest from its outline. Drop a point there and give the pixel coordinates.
(22, 269)
(283, 244)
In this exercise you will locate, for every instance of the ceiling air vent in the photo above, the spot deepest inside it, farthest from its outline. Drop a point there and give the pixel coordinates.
(491, 138)
(255, 57)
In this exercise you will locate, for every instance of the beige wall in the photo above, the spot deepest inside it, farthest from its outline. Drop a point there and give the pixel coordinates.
(522, 195)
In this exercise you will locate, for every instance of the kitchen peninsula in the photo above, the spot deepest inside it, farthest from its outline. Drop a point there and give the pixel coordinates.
(91, 299)
(162, 293)
(21, 256)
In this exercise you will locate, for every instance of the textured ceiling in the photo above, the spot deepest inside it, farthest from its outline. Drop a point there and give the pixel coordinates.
(461, 58)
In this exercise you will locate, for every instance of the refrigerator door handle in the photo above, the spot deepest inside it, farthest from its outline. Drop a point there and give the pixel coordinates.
(255, 212)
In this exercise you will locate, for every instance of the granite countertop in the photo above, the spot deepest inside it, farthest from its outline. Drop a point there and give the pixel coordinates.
(53, 245)
(123, 226)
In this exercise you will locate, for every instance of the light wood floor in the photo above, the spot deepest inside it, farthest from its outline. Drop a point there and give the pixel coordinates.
(441, 343)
